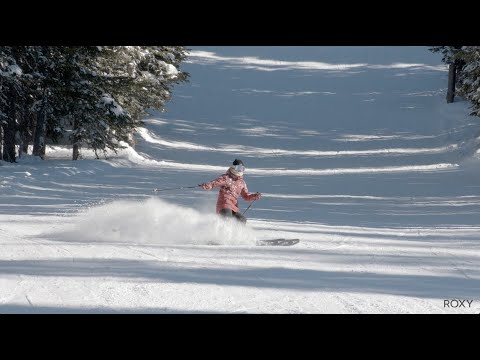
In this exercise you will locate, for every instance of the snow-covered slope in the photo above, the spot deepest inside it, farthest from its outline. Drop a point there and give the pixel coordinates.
(354, 149)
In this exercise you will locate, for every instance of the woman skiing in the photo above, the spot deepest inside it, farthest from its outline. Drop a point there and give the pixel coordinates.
(231, 187)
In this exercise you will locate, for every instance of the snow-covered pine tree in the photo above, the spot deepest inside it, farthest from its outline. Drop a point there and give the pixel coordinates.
(48, 109)
(116, 86)
(141, 77)
(74, 98)
(470, 77)
(11, 88)
(448, 52)
(29, 73)
(134, 79)
(4, 64)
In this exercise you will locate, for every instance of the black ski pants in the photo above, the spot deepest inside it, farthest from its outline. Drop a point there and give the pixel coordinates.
(236, 215)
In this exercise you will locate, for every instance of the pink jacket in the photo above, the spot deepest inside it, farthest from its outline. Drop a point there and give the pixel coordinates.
(231, 187)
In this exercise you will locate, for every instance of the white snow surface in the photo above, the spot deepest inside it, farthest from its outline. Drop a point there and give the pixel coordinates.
(356, 154)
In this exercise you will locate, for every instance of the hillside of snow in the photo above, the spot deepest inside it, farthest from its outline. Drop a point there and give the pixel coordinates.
(356, 154)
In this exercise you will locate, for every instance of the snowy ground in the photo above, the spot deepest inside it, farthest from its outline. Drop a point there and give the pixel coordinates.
(356, 153)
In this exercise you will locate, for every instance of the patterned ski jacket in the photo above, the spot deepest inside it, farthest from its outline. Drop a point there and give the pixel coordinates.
(231, 187)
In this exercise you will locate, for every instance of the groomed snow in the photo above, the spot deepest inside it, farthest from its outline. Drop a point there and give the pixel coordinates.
(354, 149)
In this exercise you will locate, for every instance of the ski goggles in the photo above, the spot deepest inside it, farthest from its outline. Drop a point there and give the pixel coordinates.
(240, 168)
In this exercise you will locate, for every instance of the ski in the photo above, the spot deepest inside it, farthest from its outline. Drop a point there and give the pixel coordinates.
(278, 242)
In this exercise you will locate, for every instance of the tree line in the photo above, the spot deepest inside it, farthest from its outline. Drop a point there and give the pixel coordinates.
(89, 96)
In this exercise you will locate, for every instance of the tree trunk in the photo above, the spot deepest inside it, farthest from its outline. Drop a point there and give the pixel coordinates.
(1, 140)
(39, 139)
(26, 136)
(20, 135)
(9, 128)
(76, 153)
(23, 146)
(451, 82)
(19, 142)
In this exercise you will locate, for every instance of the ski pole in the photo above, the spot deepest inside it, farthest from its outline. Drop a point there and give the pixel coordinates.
(178, 188)
(248, 207)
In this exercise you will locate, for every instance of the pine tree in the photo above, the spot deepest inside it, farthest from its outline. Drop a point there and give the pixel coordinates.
(470, 77)
(448, 52)
(131, 80)
(28, 73)
(111, 88)
(11, 88)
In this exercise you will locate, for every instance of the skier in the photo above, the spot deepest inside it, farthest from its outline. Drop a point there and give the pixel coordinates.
(231, 186)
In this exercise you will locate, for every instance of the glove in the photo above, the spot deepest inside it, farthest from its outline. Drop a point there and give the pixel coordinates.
(258, 196)
(206, 187)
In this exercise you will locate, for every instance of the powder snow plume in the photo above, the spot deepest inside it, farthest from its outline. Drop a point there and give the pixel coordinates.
(155, 221)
